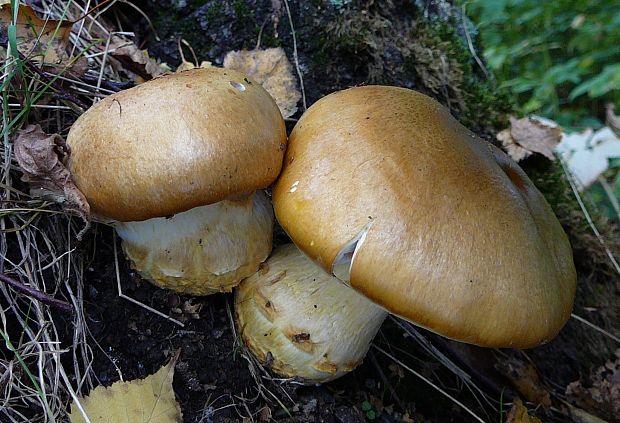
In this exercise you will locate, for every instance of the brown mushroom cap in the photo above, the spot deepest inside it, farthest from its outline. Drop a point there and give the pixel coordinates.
(177, 142)
(443, 229)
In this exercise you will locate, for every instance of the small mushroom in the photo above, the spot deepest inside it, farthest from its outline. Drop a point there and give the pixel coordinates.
(382, 187)
(302, 321)
(177, 164)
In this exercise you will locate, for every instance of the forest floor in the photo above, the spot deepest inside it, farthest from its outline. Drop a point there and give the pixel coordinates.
(410, 374)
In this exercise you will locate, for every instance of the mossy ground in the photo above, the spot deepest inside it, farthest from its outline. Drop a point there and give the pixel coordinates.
(359, 42)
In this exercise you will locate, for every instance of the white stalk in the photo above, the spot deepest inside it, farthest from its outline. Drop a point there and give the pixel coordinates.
(303, 322)
(204, 250)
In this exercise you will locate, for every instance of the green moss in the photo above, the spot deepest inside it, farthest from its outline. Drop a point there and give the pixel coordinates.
(268, 39)
(242, 11)
(215, 12)
(434, 57)
(356, 37)
(447, 68)
(551, 180)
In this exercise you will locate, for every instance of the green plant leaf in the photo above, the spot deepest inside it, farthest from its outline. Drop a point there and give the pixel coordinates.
(603, 83)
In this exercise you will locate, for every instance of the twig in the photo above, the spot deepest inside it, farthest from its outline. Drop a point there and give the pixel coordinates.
(586, 214)
(470, 44)
(109, 85)
(386, 382)
(593, 326)
(260, 33)
(429, 382)
(37, 295)
(132, 300)
(297, 67)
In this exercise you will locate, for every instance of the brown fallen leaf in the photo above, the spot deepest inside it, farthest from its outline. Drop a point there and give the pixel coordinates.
(518, 414)
(41, 158)
(525, 379)
(602, 397)
(138, 401)
(613, 120)
(44, 42)
(188, 311)
(527, 135)
(577, 415)
(135, 61)
(264, 415)
(272, 69)
(40, 40)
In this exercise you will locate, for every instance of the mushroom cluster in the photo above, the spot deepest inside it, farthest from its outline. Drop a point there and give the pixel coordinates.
(393, 207)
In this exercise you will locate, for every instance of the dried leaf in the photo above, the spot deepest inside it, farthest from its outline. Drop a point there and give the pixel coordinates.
(518, 414)
(272, 70)
(613, 120)
(41, 158)
(264, 415)
(525, 379)
(185, 65)
(138, 401)
(44, 41)
(396, 370)
(526, 136)
(603, 396)
(188, 311)
(136, 61)
(78, 67)
(38, 39)
(579, 416)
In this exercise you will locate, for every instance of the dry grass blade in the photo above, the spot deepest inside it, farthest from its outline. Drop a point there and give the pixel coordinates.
(259, 373)
(430, 383)
(588, 218)
(37, 241)
(434, 352)
(138, 303)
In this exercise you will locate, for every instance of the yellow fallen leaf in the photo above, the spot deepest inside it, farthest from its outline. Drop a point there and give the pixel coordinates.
(185, 65)
(270, 68)
(525, 378)
(138, 401)
(518, 414)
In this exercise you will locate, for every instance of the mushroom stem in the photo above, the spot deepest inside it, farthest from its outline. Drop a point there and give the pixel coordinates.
(303, 322)
(204, 250)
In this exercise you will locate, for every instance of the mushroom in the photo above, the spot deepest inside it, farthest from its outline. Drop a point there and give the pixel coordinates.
(177, 164)
(384, 188)
(302, 321)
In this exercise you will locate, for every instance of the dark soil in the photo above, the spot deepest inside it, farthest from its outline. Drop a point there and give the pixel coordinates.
(212, 380)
